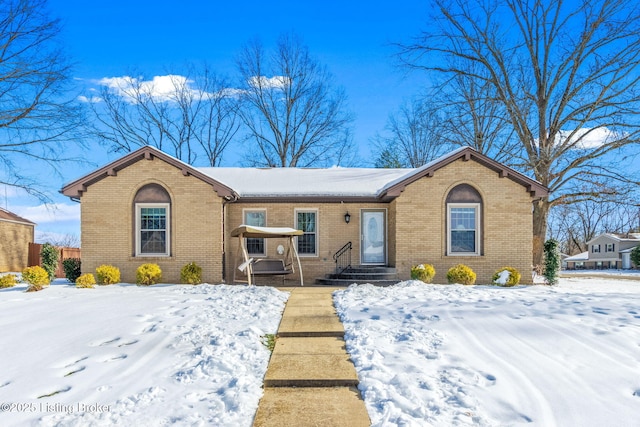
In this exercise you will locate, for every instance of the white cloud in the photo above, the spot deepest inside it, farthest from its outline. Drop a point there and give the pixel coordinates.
(160, 88)
(90, 100)
(587, 138)
(275, 82)
(44, 214)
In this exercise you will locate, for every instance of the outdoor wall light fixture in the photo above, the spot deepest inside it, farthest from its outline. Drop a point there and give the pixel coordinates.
(347, 217)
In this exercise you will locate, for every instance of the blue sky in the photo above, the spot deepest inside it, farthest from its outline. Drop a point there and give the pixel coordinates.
(113, 38)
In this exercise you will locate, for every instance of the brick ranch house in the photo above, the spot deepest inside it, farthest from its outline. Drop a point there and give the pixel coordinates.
(461, 208)
(15, 235)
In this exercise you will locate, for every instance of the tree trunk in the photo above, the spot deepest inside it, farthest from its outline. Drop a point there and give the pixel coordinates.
(540, 216)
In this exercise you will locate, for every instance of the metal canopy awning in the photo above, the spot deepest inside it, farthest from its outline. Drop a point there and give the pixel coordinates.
(244, 232)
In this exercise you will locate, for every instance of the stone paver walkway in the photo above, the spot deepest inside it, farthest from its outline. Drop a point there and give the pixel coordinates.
(311, 380)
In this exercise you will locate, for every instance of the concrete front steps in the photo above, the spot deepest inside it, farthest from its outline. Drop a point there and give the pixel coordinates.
(376, 275)
(311, 380)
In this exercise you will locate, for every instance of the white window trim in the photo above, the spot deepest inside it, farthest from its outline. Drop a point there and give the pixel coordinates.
(315, 211)
(167, 207)
(476, 206)
(244, 220)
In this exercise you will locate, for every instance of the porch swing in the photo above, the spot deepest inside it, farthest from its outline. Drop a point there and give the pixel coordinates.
(265, 266)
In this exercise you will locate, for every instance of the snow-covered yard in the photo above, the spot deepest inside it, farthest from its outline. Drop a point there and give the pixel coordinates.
(426, 354)
(128, 355)
(487, 356)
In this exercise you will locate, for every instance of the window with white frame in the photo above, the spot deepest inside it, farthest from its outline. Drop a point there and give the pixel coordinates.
(307, 221)
(595, 249)
(152, 221)
(257, 218)
(464, 222)
(610, 247)
(152, 229)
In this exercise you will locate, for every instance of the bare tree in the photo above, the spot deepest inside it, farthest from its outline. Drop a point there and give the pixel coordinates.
(413, 136)
(573, 225)
(474, 117)
(565, 72)
(37, 115)
(193, 116)
(294, 114)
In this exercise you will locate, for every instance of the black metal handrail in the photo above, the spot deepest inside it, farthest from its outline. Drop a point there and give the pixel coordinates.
(343, 258)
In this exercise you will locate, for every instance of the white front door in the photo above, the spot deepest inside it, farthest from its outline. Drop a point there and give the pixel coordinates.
(373, 234)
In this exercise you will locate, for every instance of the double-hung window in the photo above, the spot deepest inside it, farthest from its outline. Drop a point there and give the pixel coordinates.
(152, 229)
(464, 228)
(610, 247)
(257, 218)
(307, 221)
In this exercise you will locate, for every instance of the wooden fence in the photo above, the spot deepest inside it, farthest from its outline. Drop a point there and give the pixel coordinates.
(65, 253)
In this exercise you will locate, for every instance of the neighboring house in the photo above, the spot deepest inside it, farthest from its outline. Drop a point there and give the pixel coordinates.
(15, 235)
(461, 208)
(608, 250)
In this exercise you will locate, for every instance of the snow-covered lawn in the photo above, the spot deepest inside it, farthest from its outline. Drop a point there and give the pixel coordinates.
(128, 355)
(443, 355)
(425, 354)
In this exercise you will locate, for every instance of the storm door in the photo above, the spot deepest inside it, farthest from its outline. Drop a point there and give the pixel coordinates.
(373, 236)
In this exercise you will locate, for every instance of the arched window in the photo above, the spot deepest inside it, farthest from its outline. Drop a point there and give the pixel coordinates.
(152, 206)
(464, 226)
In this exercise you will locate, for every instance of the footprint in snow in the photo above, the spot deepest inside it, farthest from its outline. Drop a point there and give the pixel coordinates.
(490, 379)
(114, 358)
(150, 328)
(75, 362)
(5, 384)
(375, 317)
(103, 343)
(75, 371)
(636, 393)
(128, 343)
(53, 393)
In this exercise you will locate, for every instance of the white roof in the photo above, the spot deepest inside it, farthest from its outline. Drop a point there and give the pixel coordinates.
(630, 237)
(292, 182)
(584, 256)
(302, 182)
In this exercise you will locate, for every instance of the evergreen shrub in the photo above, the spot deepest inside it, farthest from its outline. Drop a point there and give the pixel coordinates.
(107, 274)
(461, 274)
(148, 274)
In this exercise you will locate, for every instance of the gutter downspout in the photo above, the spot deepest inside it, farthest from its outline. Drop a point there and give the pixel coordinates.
(227, 200)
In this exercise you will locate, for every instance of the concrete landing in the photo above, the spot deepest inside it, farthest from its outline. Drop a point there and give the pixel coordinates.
(327, 407)
(305, 362)
(311, 380)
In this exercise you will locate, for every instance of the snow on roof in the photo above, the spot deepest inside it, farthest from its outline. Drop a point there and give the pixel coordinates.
(621, 237)
(292, 182)
(584, 256)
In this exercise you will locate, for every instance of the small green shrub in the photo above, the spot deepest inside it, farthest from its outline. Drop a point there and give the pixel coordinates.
(424, 272)
(37, 278)
(107, 274)
(512, 279)
(551, 261)
(49, 255)
(191, 274)
(461, 274)
(148, 274)
(8, 281)
(71, 268)
(635, 256)
(85, 281)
